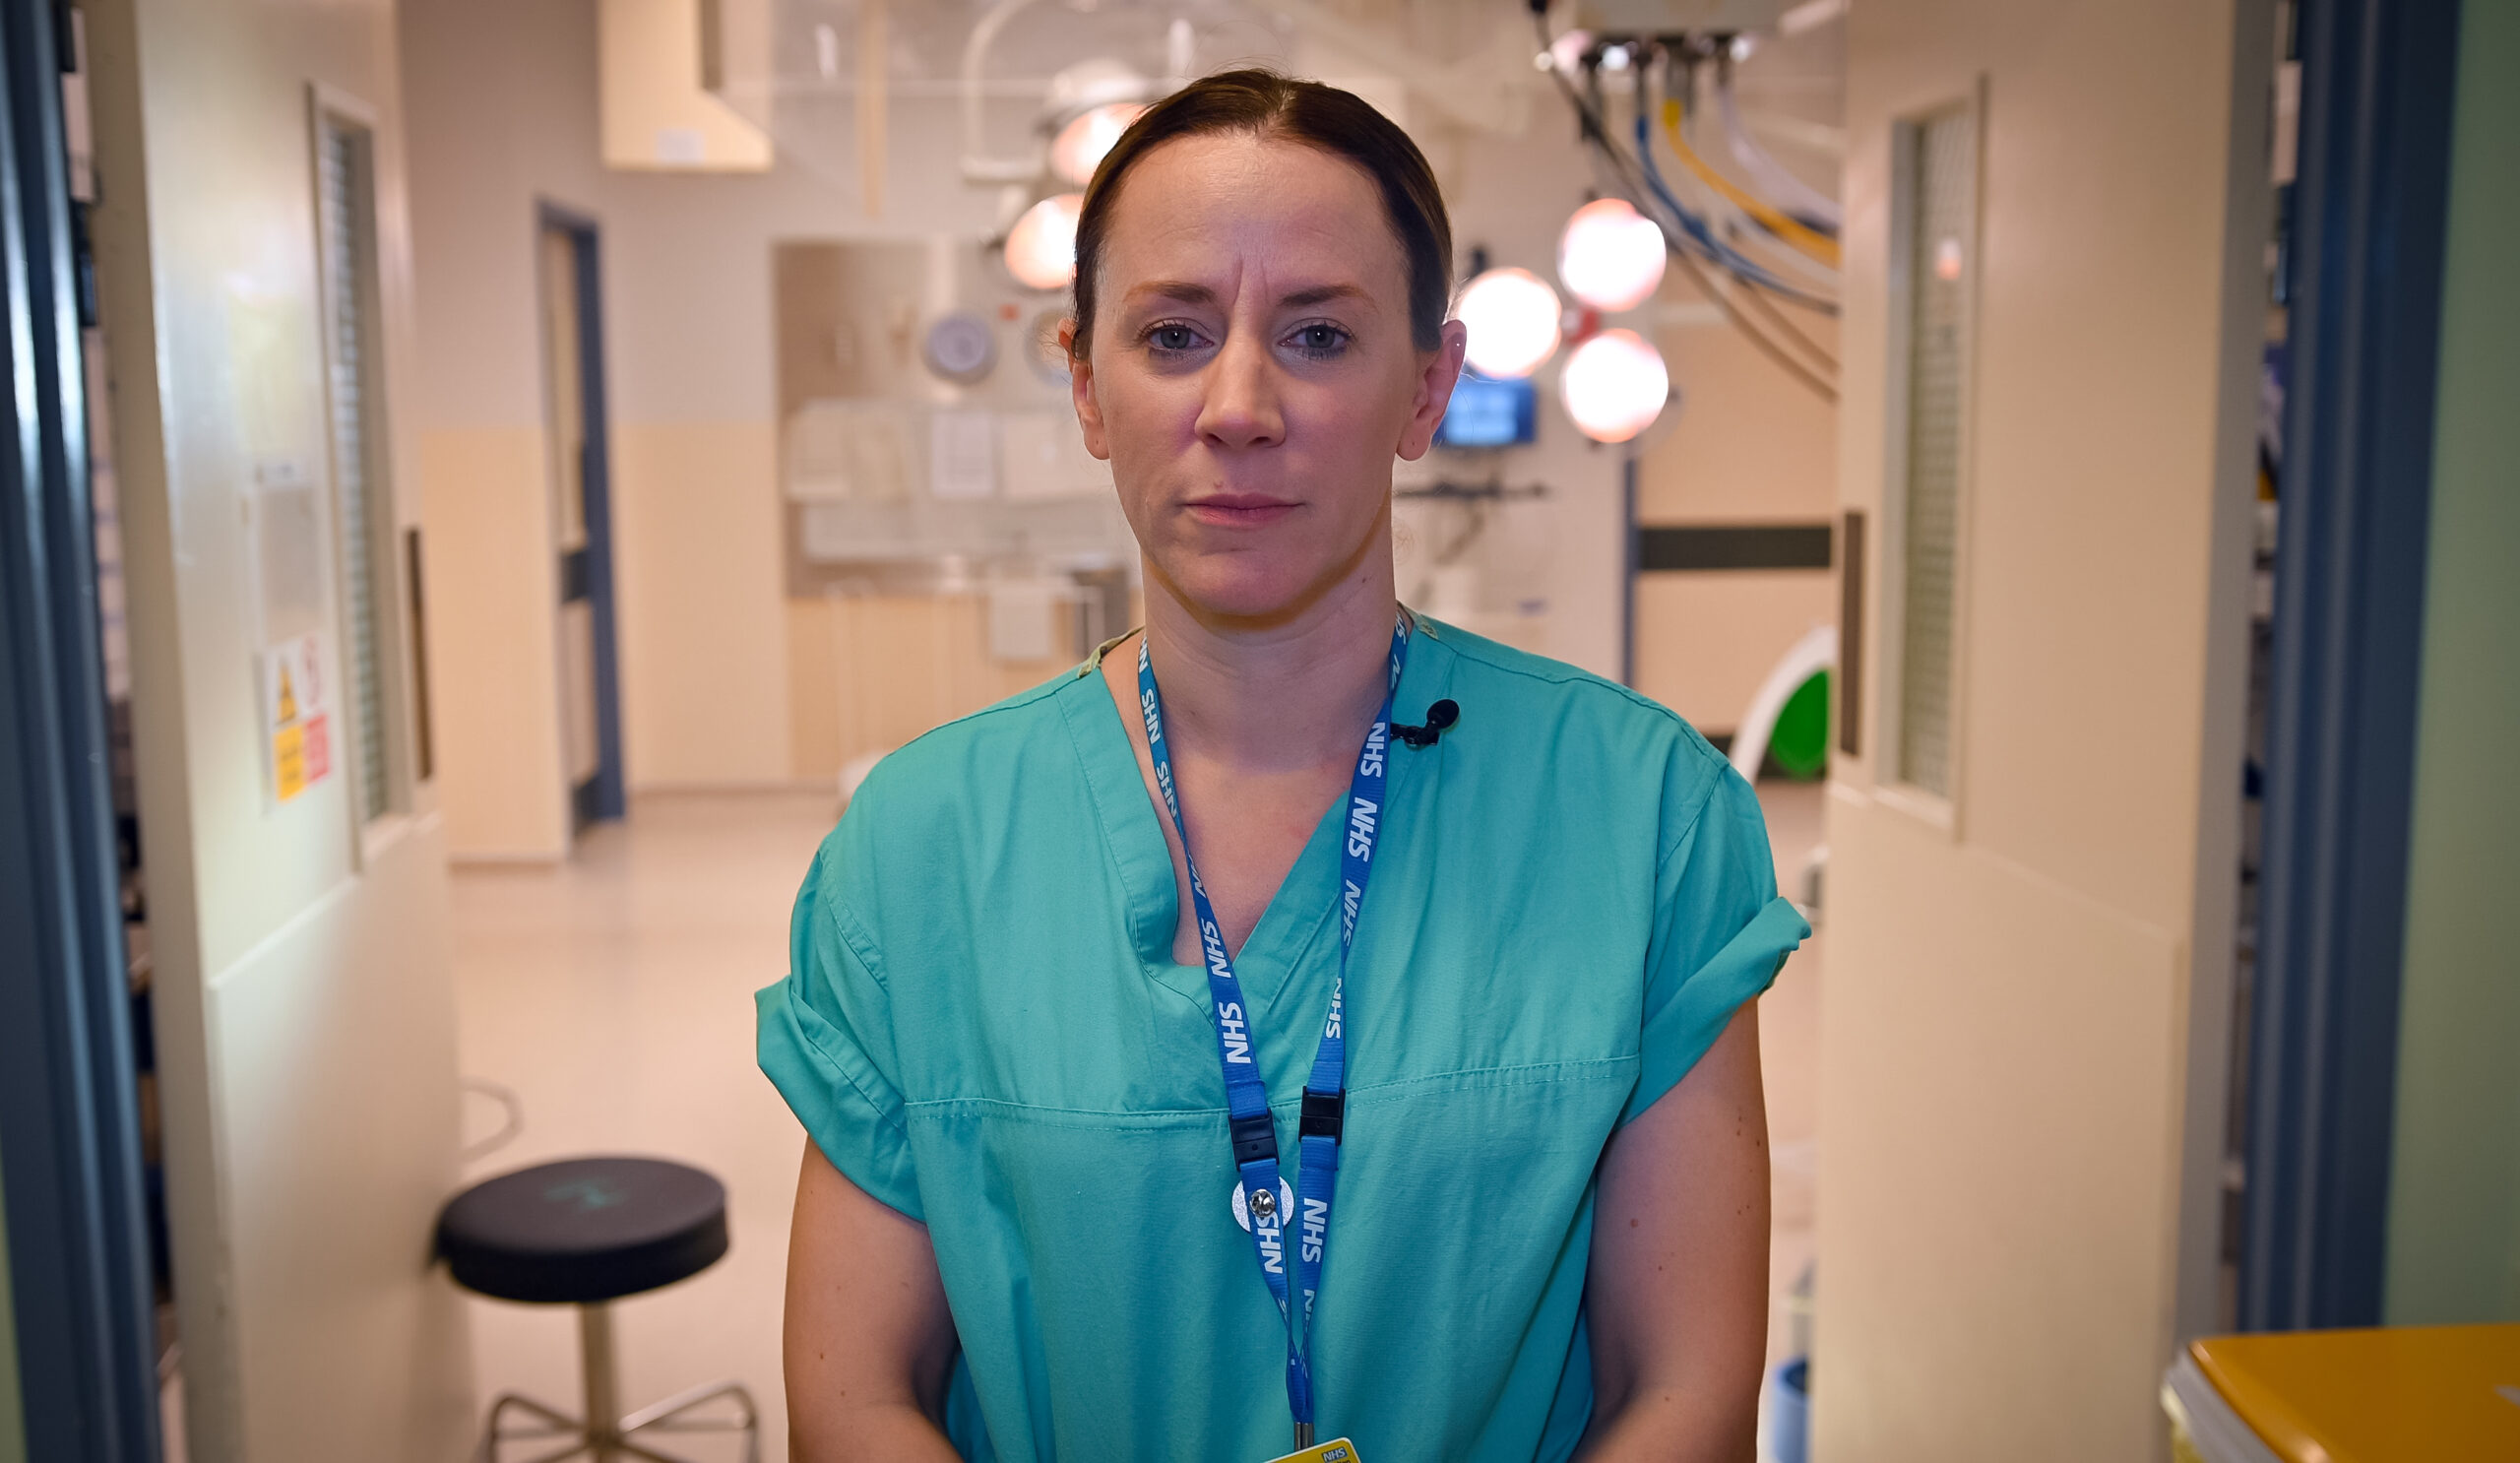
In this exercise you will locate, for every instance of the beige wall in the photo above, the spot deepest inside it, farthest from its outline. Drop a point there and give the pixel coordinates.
(304, 1016)
(503, 119)
(700, 560)
(2027, 1008)
(1750, 445)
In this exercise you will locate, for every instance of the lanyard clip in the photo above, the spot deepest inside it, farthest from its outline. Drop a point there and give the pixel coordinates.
(1255, 1138)
(1325, 1115)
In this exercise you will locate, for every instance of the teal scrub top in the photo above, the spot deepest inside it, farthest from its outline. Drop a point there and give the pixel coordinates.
(984, 1027)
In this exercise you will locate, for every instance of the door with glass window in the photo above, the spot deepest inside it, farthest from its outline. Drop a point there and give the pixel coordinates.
(573, 357)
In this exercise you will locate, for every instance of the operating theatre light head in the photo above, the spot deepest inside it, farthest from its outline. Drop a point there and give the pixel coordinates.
(1081, 144)
(1513, 318)
(1615, 385)
(1611, 256)
(1040, 250)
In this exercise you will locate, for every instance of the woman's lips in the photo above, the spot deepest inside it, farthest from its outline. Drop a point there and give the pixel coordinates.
(1239, 510)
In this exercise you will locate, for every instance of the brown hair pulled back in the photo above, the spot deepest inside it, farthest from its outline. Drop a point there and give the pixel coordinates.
(1266, 104)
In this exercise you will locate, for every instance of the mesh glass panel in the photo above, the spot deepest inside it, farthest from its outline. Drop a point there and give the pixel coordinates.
(349, 265)
(1944, 219)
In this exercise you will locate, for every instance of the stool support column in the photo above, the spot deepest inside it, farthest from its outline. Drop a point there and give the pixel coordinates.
(603, 1382)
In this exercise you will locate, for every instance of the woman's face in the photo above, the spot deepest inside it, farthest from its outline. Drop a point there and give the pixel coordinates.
(1251, 373)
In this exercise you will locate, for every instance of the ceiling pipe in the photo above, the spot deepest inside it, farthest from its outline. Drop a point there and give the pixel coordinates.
(976, 166)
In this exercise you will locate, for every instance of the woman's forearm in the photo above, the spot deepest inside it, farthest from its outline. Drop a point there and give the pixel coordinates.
(1666, 1426)
(892, 1431)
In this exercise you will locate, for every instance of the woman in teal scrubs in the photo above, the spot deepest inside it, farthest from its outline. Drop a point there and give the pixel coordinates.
(1496, 979)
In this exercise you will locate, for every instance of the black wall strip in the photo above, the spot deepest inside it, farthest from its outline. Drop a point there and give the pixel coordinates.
(1851, 635)
(1709, 546)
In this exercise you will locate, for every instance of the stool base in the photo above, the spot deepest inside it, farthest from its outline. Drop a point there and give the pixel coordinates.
(603, 1434)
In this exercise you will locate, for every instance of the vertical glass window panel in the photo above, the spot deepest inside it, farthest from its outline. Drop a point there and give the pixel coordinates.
(347, 234)
(1943, 220)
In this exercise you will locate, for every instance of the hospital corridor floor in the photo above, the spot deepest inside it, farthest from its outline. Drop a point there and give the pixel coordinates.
(612, 996)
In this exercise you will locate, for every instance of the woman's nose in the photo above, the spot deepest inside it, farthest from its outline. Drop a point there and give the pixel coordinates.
(1240, 408)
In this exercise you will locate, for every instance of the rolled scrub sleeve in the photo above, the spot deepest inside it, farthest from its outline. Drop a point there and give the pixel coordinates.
(825, 1041)
(1721, 932)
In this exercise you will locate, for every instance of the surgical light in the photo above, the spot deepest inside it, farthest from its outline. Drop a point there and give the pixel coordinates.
(1615, 385)
(1081, 144)
(1041, 249)
(1611, 256)
(1512, 316)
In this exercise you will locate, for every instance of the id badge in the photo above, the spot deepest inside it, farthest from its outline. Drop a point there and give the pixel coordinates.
(1335, 1451)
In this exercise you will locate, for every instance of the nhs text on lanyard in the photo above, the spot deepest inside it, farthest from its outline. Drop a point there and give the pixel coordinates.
(1255, 1137)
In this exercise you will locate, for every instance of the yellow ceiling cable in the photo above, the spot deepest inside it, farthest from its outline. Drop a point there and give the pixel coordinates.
(1792, 231)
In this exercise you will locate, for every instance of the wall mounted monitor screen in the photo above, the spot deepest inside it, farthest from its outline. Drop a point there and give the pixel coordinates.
(1490, 414)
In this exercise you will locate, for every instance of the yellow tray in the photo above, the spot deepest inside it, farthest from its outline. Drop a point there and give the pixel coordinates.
(2391, 1395)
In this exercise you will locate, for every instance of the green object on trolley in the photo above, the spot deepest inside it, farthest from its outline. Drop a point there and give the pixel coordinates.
(1799, 744)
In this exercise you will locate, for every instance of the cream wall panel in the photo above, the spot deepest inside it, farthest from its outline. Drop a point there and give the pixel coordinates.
(1993, 1236)
(2023, 1070)
(705, 685)
(492, 624)
(1706, 641)
(206, 260)
(1749, 443)
(354, 1344)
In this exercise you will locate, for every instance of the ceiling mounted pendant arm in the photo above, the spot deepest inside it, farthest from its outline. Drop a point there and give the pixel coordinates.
(1798, 196)
(978, 167)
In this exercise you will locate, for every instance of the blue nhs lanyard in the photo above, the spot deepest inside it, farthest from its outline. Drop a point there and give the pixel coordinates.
(1325, 1093)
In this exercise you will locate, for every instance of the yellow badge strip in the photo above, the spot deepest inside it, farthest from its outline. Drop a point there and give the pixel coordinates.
(1335, 1451)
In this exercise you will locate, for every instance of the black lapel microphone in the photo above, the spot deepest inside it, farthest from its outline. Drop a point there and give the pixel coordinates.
(1438, 717)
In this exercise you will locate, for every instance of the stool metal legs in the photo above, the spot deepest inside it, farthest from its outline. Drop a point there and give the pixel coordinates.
(605, 1434)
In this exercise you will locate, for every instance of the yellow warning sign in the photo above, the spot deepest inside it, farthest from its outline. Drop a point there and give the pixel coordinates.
(293, 712)
(300, 756)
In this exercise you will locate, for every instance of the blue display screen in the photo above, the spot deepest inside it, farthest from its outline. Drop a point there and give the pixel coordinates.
(1490, 414)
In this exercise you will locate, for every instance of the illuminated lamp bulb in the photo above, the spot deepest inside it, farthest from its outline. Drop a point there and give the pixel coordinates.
(1611, 256)
(1615, 385)
(1512, 316)
(1040, 250)
(1079, 148)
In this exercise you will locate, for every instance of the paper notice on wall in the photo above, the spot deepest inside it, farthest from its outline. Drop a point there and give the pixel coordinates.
(1045, 457)
(963, 455)
(841, 449)
(296, 714)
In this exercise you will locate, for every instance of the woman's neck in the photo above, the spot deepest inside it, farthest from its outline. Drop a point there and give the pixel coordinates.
(1277, 696)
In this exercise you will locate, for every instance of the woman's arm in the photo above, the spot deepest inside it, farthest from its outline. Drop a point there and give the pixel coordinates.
(1677, 1291)
(870, 1341)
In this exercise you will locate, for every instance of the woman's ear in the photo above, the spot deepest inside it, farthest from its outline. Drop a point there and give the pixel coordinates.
(1440, 370)
(1080, 387)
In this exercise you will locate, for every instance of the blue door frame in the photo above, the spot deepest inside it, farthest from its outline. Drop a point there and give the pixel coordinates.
(2371, 204)
(589, 572)
(69, 1129)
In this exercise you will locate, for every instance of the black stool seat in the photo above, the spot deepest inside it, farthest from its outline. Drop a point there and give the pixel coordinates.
(584, 1230)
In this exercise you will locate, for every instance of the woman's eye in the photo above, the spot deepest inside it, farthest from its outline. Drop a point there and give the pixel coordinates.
(1172, 338)
(1320, 340)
